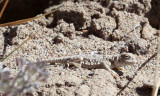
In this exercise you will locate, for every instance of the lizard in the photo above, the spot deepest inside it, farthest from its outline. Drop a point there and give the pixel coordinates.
(96, 61)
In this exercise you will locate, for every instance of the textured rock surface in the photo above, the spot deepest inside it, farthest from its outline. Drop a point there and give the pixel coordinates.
(103, 26)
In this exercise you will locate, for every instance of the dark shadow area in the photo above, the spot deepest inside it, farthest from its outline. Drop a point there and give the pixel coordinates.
(8, 37)
(154, 14)
(69, 17)
(119, 72)
(21, 9)
(145, 91)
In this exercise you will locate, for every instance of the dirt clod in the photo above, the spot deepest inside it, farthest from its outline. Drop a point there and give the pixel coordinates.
(88, 26)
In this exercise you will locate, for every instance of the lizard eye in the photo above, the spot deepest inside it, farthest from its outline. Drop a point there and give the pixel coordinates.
(126, 56)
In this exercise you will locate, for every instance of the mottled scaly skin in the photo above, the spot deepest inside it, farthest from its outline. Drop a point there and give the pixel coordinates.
(111, 61)
(97, 61)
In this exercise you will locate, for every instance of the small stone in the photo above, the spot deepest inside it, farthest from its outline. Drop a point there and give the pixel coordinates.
(59, 83)
(70, 84)
(49, 85)
(61, 92)
(59, 38)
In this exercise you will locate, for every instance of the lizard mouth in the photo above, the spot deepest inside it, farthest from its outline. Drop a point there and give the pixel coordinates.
(132, 61)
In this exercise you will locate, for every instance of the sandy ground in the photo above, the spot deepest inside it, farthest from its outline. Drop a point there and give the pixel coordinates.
(85, 26)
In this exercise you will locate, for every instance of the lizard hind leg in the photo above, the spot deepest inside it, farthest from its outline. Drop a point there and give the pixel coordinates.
(75, 64)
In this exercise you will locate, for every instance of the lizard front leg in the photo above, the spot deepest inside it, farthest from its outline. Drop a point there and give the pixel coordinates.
(106, 66)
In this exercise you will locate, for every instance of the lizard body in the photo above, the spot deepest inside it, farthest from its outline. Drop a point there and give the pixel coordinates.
(97, 61)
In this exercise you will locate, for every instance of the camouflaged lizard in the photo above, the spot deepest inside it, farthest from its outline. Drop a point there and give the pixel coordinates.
(96, 61)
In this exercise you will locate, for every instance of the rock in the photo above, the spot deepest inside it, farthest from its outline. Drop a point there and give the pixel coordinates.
(139, 46)
(67, 29)
(148, 32)
(59, 38)
(103, 27)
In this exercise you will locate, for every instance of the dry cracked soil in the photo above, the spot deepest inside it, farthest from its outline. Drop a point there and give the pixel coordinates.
(82, 26)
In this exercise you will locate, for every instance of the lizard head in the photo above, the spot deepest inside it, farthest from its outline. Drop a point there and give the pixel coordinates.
(125, 59)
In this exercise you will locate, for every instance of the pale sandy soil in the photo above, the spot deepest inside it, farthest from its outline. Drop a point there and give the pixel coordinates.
(85, 27)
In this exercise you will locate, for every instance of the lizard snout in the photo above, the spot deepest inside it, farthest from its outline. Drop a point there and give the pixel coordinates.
(128, 58)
